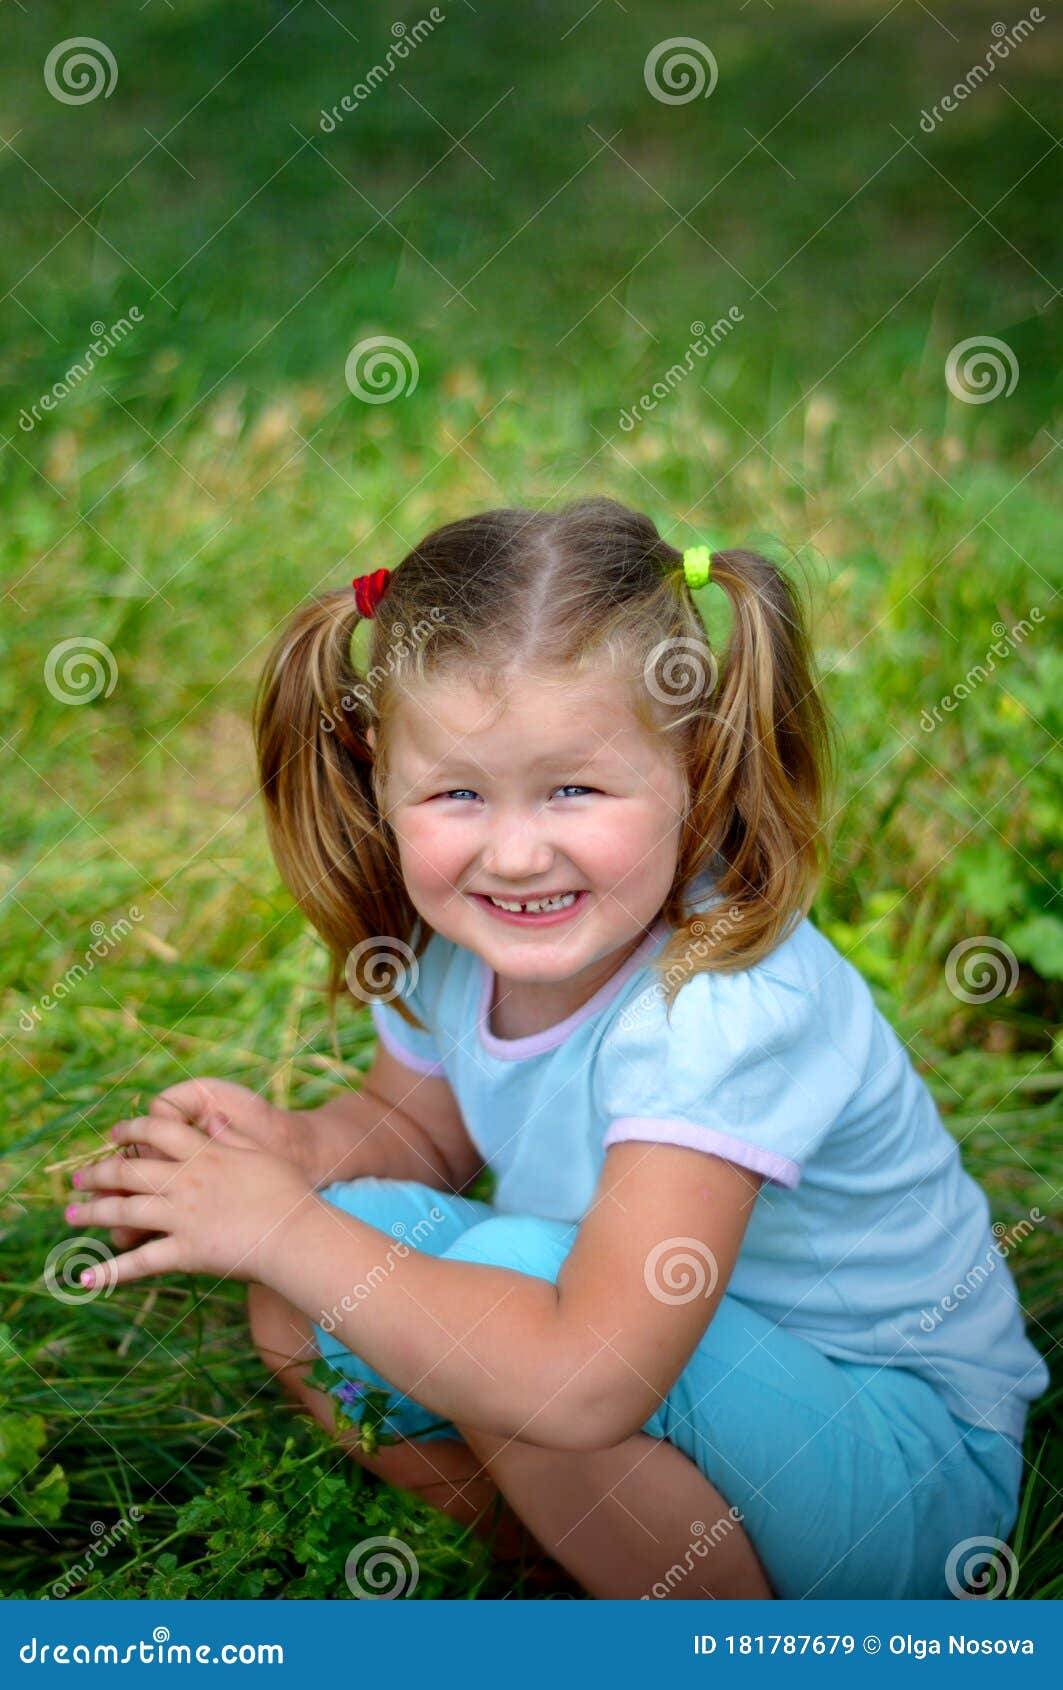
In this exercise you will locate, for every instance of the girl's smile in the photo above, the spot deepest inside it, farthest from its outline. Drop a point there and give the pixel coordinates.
(558, 909)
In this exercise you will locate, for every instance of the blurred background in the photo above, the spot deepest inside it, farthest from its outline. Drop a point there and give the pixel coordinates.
(288, 284)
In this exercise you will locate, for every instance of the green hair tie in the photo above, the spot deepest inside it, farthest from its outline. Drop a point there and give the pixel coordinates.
(697, 564)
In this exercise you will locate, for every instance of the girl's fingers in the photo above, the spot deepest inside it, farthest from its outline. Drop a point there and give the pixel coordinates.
(126, 1237)
(187, 1100)
(159, 1255)
(150, 1214)
(167, 1108)
(220, 1128)
(174, 1138)
(116, 1174)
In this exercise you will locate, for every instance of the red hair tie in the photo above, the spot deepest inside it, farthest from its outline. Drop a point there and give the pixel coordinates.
(369, 590)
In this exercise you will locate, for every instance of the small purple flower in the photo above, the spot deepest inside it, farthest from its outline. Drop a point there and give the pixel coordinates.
(350, 1390)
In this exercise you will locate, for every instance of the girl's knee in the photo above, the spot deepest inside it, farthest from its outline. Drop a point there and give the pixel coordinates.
(282, 1333)
(406, 1210)
(377, 1200)
(522, 1242)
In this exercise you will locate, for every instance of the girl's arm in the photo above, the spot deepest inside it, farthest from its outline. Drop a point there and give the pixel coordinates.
(579, 1365)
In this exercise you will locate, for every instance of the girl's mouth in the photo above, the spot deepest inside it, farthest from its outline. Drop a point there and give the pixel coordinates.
(555, 910)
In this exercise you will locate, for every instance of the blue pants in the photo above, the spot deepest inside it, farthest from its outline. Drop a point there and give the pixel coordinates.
(851, 1480)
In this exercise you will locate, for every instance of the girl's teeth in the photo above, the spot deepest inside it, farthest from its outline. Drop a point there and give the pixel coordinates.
(536, 904)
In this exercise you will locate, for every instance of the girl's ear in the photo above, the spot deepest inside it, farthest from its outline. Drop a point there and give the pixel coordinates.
(370, 738)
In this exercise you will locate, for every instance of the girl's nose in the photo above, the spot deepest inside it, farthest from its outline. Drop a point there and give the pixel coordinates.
(518, 850)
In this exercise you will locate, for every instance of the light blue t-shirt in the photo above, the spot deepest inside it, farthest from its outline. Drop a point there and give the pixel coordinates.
(868, 1237)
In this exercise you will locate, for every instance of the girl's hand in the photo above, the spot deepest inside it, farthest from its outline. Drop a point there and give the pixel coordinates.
(213, 1105)
(216, 1207)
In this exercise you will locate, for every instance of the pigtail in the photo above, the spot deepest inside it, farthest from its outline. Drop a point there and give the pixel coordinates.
(332, 847)
(767, 761)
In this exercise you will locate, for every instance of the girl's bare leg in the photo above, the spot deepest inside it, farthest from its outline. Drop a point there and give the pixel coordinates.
(444, 1471)
(639, 1519)
(621, 1521)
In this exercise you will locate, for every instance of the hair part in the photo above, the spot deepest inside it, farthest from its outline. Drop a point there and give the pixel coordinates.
(508, 591)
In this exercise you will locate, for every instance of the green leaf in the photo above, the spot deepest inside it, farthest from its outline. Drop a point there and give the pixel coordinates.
(48, 1498)
(1039, 941)
(21, 1439)
(987, 880)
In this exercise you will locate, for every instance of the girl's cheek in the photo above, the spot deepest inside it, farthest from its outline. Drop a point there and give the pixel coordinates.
(431, 856)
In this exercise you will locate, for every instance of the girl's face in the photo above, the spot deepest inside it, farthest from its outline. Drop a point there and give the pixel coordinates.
(554, 789)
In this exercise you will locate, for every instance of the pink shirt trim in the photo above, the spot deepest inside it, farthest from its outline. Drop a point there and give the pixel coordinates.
(534, 1044)
(778, 1169)
(419, 1064)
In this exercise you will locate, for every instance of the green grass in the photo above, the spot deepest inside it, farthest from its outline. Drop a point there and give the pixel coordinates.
(214, 469)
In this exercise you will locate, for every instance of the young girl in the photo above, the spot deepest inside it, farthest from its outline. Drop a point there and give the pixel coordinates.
(726, 1327)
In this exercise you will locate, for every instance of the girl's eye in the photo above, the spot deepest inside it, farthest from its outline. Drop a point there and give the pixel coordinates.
(460, 791)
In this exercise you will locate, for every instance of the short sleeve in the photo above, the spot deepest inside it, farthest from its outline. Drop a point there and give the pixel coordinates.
(746, 1069)
(409, 1046)
(416, 1049)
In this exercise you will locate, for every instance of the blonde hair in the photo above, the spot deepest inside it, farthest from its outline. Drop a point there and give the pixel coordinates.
(507, 590)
